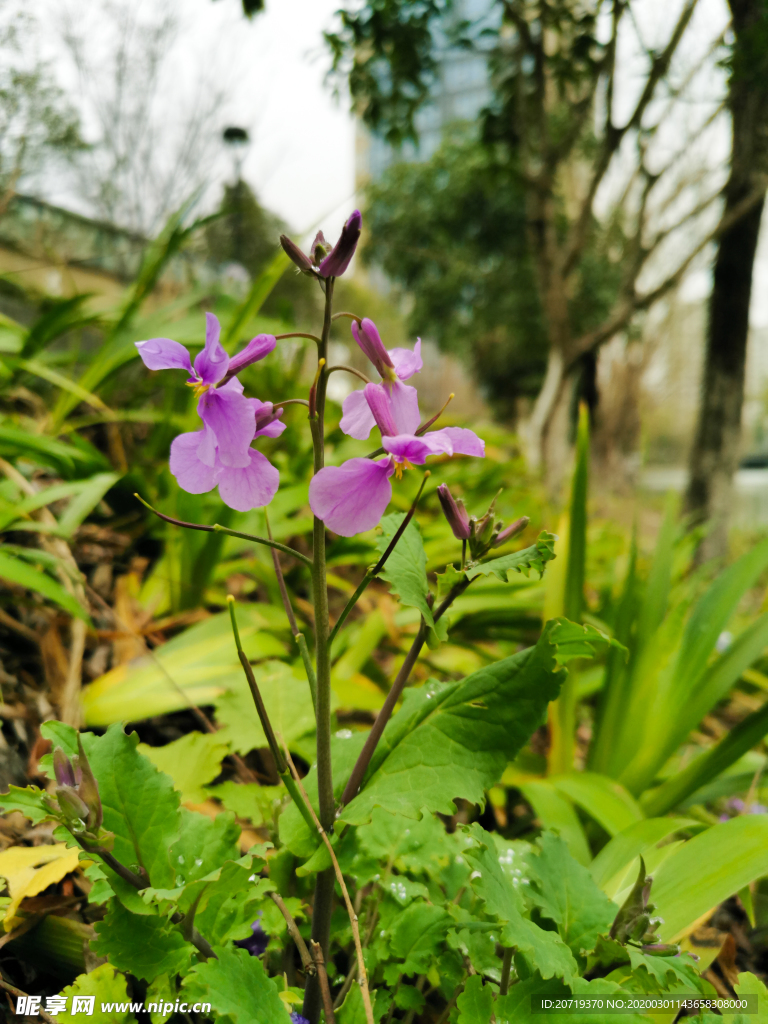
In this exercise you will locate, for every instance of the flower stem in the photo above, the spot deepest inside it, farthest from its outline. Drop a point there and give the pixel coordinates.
(230, 533)
(349, 369)
(370, 573)
(323, 899)
(372, 740)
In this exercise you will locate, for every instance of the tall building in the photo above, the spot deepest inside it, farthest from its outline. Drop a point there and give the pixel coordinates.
(460, 91)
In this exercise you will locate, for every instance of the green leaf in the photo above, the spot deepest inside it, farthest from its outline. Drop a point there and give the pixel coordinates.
(568, 895)
(29, 801)
(192, 762)
(708, 869)
(574, 640)
(446, 581)
(406, 571)
(14, 570)
(418, 933)
(352, 1010)
(602, 798)
(515, 1006)
(140, 807)
(287, 699)
(748, 985)
(230, 904)
(201, 662)
(476, 1002)
(249, 800)
(534, 557)
(236, 984)
(203, 845)
(666, 971)
(454, 740)
(107, 986)
(610, 865)
(556, 812)
(542, 950)
(83, 503)
(142, 944)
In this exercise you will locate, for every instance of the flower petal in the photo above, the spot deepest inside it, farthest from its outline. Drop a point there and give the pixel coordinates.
(405, 407)
(164, 354)
(251, 486)
(213, 362)
(407, 363)
(191, 473)
(368, 338)
(267, 424)
(357, 420)
(337, 261)
(353, 497)
(256, 349)
(380, 404)
(230, 416)
(416, 449)
(463, 441)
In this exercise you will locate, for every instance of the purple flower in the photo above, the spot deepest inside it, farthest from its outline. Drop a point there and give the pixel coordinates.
(323, 260)
(352, 497)
(257, 942)
(296, 1018)
(394, 367)
(221, 454)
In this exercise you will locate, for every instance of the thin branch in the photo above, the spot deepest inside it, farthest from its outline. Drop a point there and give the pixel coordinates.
(298, 334)
(230, 533)
(350, 369)
(23, 995)
(506, 968)
(351, 316)
(291, 401)
(343, 886)
(370, 573)
(325, 988)
(306, 960)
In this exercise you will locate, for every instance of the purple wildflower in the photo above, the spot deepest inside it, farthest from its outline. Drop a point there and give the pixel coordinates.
(221, 454)
(324, 260)
(257, 942)
(352, 497)
(394, 367)
(296, 1018)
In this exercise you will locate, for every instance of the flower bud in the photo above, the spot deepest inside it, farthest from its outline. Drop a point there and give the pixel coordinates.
(73, 808)
(89, 790)
(337, 261)
(64, 769)
(454, 512)
(368, 338)
(662, 949)
(511, 531)
(296, 256)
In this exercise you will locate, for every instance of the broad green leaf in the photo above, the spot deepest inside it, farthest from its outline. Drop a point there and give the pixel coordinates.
(418, 934)
(602, 798)
(229, 905)
(109, 987)
(515, 1007)
(29, 801)
(556, 812)
(708, 869)
(748, 985)
(14, 570)
(352, 1010)
(201, 662)
(204, 844)
(598, 988)
(236, 984)
(192, 762)
(664, 970)
(406, 571)
(475, 1003)
(542, 950)
(568, 895)
(287, 699)
(534, 558)
(142, 944)
(611, 864)
(454, 739)
(249, 800)
(140, 807)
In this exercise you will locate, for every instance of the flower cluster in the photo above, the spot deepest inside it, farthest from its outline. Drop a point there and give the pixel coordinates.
(349, 498)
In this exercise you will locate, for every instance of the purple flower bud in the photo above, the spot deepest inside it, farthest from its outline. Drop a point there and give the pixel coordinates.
(257, 941)
(296, 256)
(63, 769)
(296, 1018)
(454, 512)
(511, 531)
(337, 261)
(89, 790)
(368, 338)
(662, 949)
(380, 405)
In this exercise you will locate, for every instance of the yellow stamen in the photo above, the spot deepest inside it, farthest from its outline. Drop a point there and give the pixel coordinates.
(400, 466)
(197, 386)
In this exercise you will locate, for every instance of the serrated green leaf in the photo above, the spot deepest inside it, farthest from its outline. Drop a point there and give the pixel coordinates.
(108, 987)
(142, 944)
(665, 970)
(748, 985)
(204, 844)
(229, 906)
(287, 699)
(27, 800)
(418, 933)
(534, 557)
(236, 984)
(192, 762)
(140, 807)
(454, 740)
(476, 1002)
(567, 894)
(406, 571)
(16, 570)
(543, 951)
(249, 800)
(575, 640)
(446, 581)
(515, 1006)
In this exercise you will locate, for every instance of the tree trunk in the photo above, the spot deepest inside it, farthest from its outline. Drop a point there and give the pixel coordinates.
(715, 452)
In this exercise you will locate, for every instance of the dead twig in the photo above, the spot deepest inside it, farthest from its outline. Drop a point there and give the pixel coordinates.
(306, 959)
